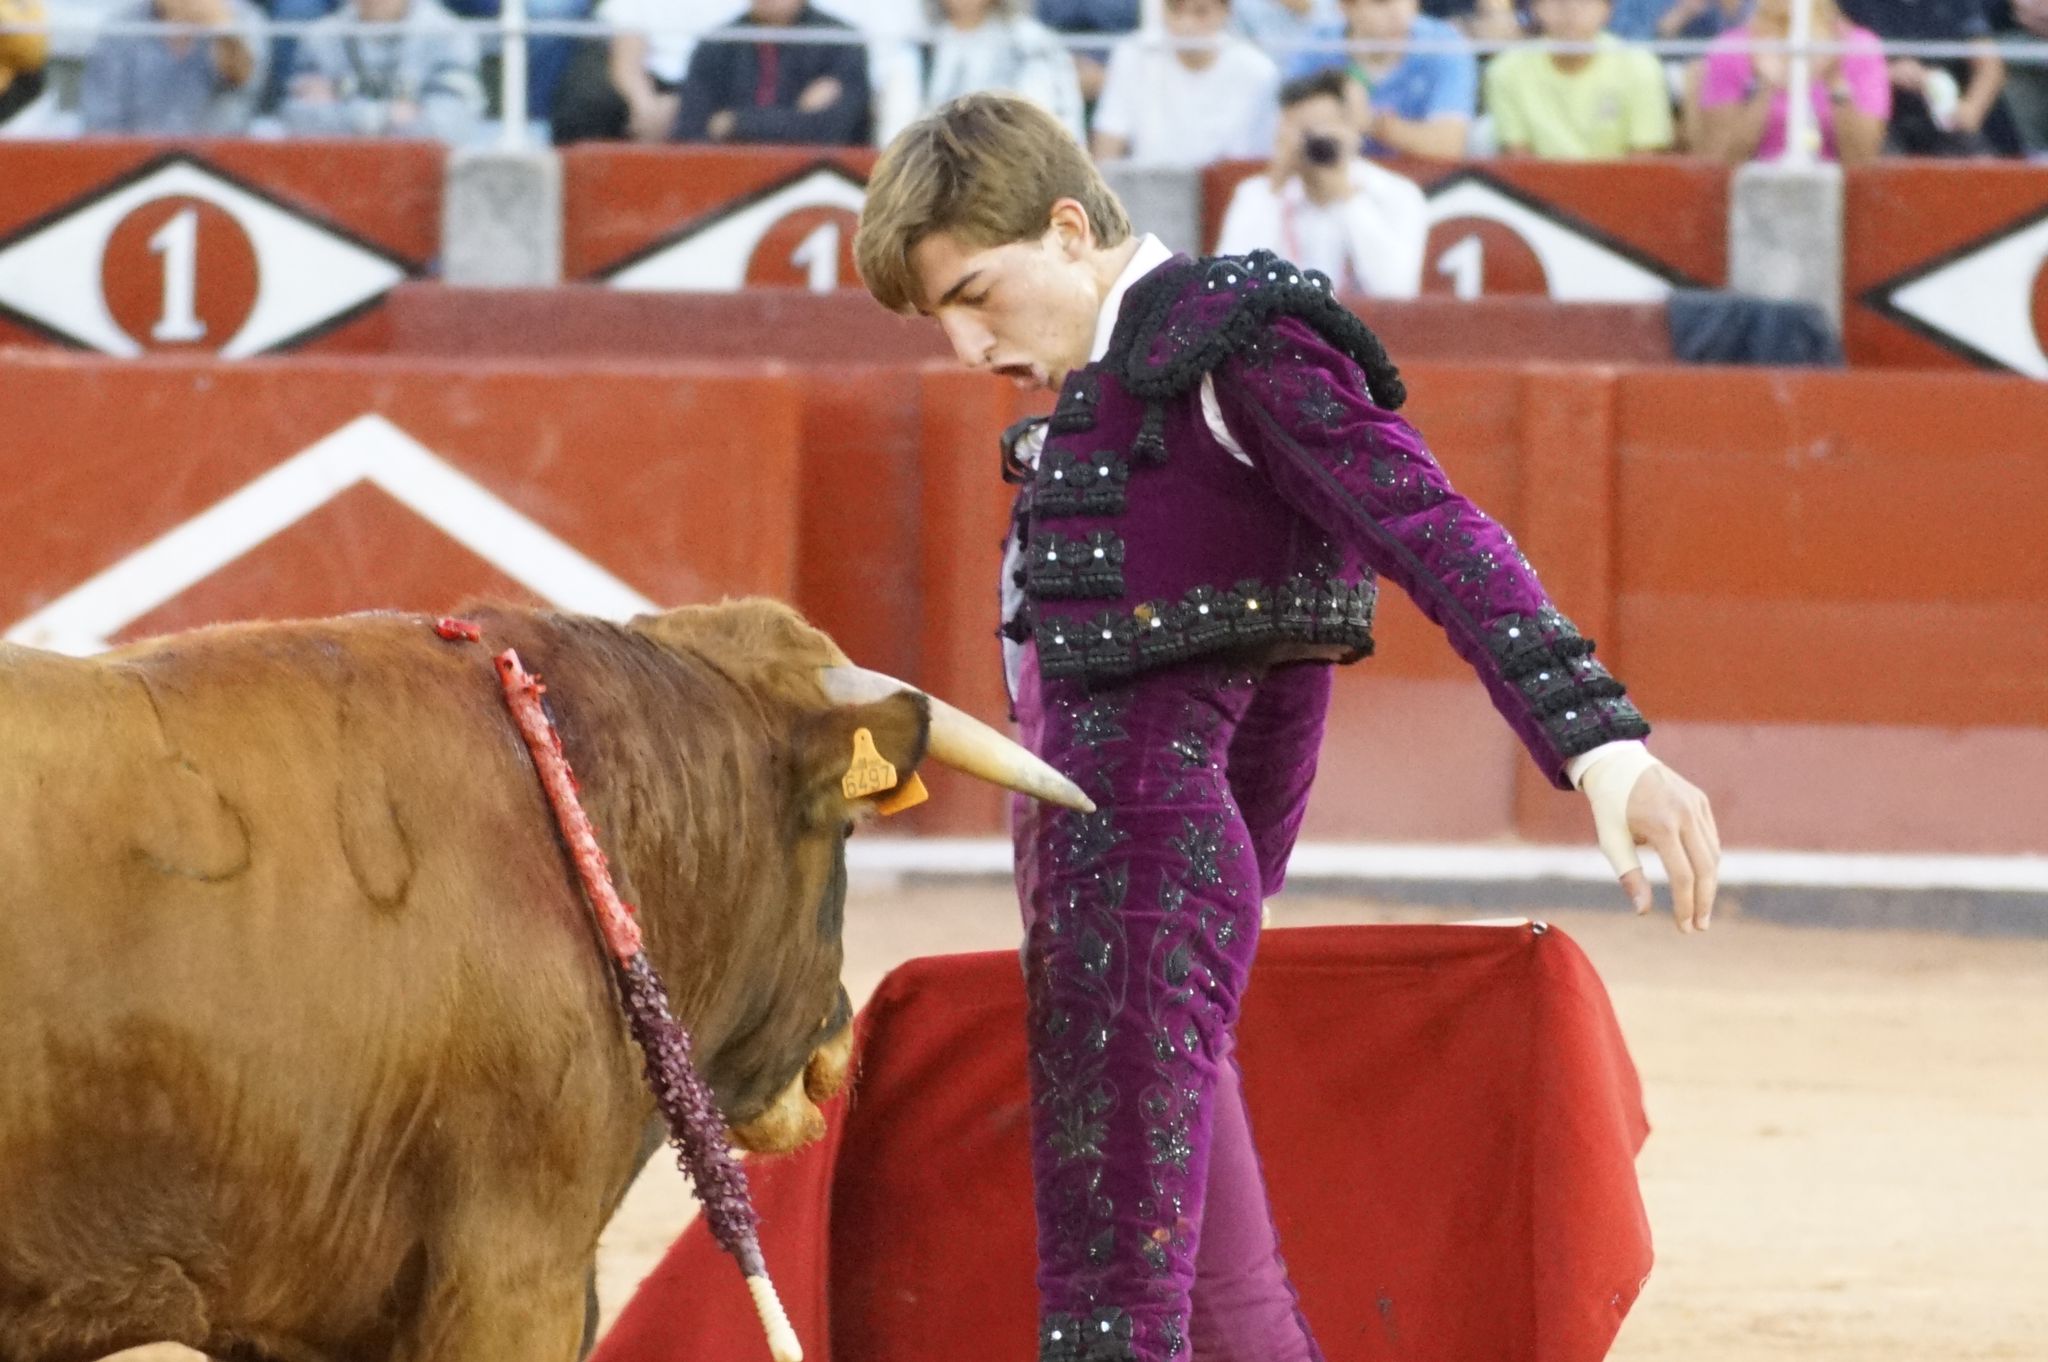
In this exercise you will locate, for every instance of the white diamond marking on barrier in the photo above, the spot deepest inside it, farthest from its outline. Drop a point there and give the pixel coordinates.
(306, 274)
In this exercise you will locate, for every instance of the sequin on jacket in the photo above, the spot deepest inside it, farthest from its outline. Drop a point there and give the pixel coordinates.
(1144, 541)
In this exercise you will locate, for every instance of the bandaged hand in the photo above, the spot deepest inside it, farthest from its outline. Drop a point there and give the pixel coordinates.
(1639, 801)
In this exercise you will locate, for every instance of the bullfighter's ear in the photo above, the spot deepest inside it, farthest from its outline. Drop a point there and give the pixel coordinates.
(879, 745)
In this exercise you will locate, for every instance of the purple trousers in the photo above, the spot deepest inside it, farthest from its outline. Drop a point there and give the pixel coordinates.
(1155, 1236)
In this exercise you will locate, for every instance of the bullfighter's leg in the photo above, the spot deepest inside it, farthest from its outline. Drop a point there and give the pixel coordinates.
(1273, 761)
(1144, 916)
(1245, 1307)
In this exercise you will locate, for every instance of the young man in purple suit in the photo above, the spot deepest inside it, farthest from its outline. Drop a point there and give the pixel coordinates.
(1199, 526)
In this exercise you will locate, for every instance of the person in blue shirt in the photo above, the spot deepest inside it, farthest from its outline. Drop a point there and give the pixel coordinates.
(1643, 21)
(1280, 27)
(1417, 97)
(1108, 17)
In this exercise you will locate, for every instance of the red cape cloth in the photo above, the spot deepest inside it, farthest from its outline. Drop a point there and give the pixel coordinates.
(1448, 1117)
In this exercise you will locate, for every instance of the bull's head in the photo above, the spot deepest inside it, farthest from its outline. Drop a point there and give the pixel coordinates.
(775, 1023)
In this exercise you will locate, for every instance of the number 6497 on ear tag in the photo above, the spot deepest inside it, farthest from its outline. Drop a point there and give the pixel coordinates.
(870, 773)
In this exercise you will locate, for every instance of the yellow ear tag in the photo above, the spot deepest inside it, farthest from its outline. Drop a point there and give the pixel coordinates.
(909, 795)
(870, 772)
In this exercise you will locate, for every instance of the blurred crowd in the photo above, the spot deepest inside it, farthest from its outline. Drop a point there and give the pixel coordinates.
(1321, 89)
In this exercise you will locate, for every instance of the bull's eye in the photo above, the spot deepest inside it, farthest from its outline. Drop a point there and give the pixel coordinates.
(846, 828)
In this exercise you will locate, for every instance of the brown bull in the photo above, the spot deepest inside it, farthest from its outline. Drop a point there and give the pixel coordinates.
(307, 1046)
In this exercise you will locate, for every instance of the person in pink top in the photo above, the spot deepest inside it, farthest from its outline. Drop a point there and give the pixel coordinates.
(1742, 103)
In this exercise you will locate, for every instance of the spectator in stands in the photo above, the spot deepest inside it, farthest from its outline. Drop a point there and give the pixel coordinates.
(1416, 102)
(1484, 20)
(417, 79)
(183, 84)
(1112, 17)
(1282, 28)
(1942, 108)
(284, 49)
(1579, 105)
(547, 55)
(2023, 25)
(1642, 21)
(1187, 106)
(1078, 18)
(748, 91)
(982, 45)
(895, 30)
(1742, 94)
(1688, 20)
(629, 86)
(1324, 208)
(22, 56)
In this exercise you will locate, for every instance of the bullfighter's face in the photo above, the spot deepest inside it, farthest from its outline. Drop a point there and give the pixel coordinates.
(1025, 310)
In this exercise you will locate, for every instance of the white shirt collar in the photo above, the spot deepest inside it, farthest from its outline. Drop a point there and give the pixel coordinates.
(1151, 254)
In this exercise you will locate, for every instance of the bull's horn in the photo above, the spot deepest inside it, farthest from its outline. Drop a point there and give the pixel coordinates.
(960, 740)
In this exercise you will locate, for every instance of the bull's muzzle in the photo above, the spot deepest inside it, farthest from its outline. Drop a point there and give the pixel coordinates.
(791, 1121)
(830, 1063)
(960, 740)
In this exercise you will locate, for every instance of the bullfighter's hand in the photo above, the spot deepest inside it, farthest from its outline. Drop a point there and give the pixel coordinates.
(1639, 801)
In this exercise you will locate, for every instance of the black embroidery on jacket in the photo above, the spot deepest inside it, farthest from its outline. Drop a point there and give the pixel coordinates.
(1059, 568)
(1206, 620)
(1082, 484)
(1579, 704)
(1263, 287)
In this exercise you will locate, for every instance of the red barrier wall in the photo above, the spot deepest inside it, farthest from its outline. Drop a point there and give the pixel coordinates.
(1666, 216)
(748, 211)
(217, 247)
(242, 248)
(786, 324)
(845, 326)
(1835, 610)
(1947, 265)
(726, 219)
(679, 486)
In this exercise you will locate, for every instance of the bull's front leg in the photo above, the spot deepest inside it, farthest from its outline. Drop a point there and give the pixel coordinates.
(490, 1298)
(652, 1137)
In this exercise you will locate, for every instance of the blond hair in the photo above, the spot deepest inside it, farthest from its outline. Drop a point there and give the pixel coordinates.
(985, 169)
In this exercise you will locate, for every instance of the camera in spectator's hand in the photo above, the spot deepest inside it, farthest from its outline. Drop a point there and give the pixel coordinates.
(1321, 149)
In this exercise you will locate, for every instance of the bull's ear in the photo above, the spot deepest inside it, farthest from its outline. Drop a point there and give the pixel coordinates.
(853, 755)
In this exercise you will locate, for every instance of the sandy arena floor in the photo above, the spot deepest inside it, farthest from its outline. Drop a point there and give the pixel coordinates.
(1850, 1155)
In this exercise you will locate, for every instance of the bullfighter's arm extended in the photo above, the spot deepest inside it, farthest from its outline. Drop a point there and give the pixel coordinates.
(1364, 475)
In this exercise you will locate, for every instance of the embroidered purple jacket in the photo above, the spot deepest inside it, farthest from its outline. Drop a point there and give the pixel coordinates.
(1144, 542)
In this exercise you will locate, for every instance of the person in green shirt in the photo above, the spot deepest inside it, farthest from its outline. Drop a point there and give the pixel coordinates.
(1584, 105)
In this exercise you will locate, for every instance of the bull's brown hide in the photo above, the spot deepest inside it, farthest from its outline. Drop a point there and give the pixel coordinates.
(306, 1042)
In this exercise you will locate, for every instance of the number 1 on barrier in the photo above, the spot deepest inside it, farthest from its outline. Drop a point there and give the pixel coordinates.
(1465, 266)
(177, 241)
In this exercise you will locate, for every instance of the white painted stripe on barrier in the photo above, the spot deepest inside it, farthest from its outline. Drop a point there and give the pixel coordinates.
(369, 449)
(1494, 863)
